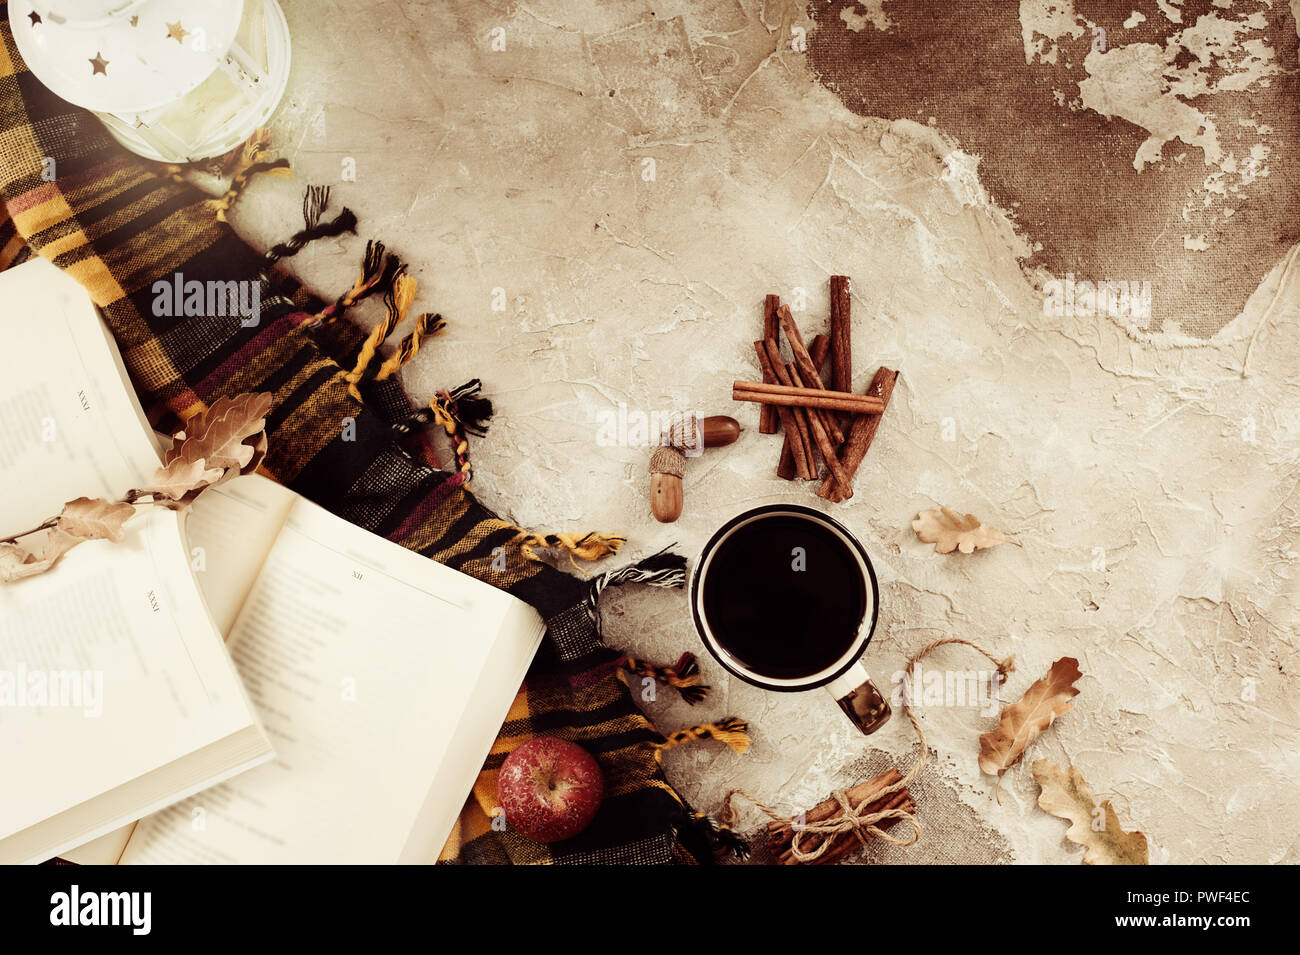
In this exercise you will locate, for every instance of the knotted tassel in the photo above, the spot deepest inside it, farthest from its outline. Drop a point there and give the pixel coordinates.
(314, 203)
(589, 546)
(249, 161)
(426, 326)
(732, 730)
(683, 676)
(378, 270)
(722, 838)
(661, 569)
(397, 300)
(460, 412)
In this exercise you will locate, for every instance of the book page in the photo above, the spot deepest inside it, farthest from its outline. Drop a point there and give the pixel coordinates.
(70, 424)
(363, 659)
(231, 529)
(109, 670)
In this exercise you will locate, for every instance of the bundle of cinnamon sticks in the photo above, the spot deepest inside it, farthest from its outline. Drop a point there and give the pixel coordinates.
(868, 791)
(831, 422)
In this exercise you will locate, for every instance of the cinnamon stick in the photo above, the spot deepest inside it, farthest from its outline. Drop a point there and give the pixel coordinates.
(806, 466)
(818, 349)
(794, 434)
(785, 467)
(804, 417)
(805, 396)
(768, 417)
(808, 371)
(818, 424)
(841, 335)
(861, 434)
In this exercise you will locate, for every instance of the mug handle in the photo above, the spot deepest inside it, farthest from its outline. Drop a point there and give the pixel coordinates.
(860, 700)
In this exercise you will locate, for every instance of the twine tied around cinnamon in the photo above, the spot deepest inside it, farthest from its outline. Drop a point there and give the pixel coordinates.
(860, 820)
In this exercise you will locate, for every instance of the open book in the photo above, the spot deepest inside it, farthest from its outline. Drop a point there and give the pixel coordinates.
(380, 677)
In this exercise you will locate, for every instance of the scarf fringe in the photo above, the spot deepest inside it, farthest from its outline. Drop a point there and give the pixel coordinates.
(683, 676)
(397, 300)
(730, 730)
(722, 839)
(315, 201)
(660, 569)
(247, 162)
(379, 269)
(461, 412)
(589, 546)
(426, 326)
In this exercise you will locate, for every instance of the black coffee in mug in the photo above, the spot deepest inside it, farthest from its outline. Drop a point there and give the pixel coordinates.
(784, 597)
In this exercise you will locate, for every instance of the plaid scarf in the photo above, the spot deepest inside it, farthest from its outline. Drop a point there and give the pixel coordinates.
(343, 433)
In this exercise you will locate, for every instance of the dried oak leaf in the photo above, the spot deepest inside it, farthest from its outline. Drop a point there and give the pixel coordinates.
(1065, 794)
(1022, 722)
(17, 562)
(228, 435)
(179, 477)
(95, 518)
(949, 531)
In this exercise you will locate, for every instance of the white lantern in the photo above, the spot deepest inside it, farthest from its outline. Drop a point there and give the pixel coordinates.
(174, 80)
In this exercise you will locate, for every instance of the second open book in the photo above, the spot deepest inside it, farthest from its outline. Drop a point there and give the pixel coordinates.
(381, 679)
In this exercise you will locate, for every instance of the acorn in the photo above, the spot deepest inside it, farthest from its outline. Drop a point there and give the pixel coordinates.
(687, 436)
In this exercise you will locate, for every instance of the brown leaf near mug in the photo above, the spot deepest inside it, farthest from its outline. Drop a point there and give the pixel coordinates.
(948, 531)
(1021, 723)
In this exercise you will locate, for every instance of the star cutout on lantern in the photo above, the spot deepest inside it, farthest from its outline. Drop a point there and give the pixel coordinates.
(34, 17)
(177, 32)
(99, 64)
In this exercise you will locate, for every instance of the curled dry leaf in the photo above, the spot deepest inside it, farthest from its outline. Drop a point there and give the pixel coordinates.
(259, 445)
(948, 531)
(179, 477)
(95, 518)
(1094, 826)
(17, 562)
(1022, 722)
(228, 435)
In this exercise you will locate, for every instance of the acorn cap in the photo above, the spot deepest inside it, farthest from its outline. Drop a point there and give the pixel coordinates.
(666, 460)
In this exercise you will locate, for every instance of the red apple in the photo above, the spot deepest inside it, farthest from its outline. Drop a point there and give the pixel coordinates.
(550, 789)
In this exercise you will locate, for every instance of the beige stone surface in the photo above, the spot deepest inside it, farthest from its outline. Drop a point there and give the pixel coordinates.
(625, 180)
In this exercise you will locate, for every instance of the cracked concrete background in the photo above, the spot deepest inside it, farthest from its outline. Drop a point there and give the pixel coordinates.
(598, 210)
(1138, 140)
